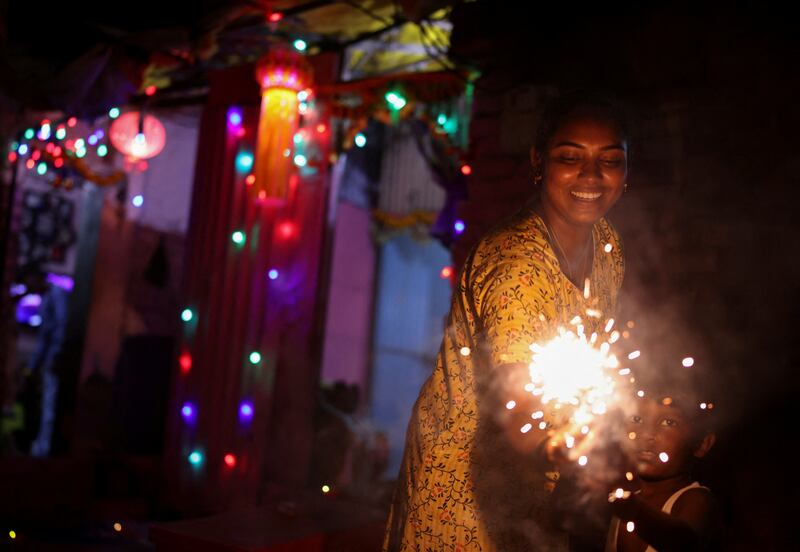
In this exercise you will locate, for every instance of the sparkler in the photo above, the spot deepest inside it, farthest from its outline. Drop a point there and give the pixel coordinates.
(576, 379)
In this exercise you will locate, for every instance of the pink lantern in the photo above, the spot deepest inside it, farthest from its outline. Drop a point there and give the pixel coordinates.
(138, 139)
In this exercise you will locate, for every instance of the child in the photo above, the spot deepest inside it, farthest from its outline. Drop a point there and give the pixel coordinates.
(668, 433)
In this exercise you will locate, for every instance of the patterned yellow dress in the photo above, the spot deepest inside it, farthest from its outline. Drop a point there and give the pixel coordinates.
(461, 486)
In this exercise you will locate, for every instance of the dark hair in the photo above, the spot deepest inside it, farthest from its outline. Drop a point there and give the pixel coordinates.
(561, 107)
(685, 389)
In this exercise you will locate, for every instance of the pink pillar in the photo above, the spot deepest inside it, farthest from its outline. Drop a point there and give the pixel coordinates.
(348, 324)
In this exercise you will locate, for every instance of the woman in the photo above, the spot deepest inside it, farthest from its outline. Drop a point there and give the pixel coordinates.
(470, 480)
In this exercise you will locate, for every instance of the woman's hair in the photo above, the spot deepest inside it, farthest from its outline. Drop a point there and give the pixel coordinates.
(560, 108)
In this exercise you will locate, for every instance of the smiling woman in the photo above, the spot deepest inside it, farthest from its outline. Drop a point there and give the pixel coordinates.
(474, 474)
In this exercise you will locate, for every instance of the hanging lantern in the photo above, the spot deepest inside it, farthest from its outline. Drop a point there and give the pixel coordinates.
(282, 74)
(138, 138)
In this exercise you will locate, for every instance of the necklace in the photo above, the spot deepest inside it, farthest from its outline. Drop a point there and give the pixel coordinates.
(582, 265)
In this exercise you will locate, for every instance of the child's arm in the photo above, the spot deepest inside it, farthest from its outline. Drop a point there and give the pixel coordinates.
(691, 525)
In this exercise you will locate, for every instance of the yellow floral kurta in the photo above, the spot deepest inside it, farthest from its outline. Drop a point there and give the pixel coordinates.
(461, 487)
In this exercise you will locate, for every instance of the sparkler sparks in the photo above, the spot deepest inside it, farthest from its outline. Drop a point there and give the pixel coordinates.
(576, 379)
(663, 456)
(630, 526)
(568, 370)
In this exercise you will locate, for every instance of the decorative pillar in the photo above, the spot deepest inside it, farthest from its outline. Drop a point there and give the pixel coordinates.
(245, 375)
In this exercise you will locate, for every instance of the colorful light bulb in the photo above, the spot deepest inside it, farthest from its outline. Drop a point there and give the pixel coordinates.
(245, 411)
(196, 458)
(244, 161)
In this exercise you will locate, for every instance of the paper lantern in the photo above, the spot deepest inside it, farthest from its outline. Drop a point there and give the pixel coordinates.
(281, 74)
(138, 139)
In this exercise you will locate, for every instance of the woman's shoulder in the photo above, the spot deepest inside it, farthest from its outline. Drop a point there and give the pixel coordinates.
(518, 235)
(608, 232)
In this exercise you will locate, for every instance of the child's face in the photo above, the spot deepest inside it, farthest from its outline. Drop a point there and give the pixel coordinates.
(663, 440)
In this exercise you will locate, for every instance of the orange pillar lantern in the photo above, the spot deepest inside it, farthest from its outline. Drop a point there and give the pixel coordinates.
(281, 74)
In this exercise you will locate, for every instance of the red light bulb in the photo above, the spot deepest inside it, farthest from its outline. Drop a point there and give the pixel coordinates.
(185, 361)
(286, 230)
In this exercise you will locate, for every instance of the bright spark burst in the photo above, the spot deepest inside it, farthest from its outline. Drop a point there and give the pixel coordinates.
(575, 378)
(688, 362)
(663, 456)
(568, 370)
(630, 526)
(511, 404)
(465, 351)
